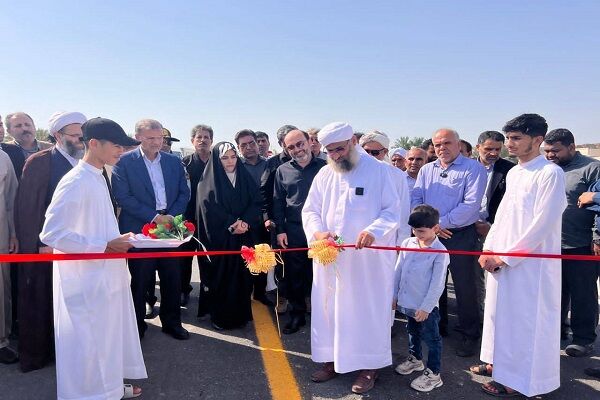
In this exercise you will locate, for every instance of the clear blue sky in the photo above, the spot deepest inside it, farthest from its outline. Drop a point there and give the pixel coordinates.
(403, 67)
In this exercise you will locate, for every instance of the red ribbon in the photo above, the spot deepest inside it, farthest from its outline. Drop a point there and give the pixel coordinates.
(16, 258)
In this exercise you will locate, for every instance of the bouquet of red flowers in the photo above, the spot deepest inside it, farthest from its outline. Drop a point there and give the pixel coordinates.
(177, 229)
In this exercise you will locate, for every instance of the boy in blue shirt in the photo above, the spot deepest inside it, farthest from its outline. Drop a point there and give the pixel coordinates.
(419, 282)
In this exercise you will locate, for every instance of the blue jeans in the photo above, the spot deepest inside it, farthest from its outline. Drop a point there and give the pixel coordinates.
(428, 331)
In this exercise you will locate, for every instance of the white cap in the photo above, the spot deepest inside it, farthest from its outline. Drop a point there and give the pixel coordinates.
(375, 136)
(61, 119)
(335, 132)
(400, 151)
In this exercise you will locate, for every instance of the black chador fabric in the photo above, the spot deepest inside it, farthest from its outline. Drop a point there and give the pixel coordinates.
(220, 204)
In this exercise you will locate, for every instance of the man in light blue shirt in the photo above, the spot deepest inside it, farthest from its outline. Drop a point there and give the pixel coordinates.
(455, 185)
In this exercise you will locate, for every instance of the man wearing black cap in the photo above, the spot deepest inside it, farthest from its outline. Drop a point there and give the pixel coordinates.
(150, 185)
(168, 142)
(97, 345)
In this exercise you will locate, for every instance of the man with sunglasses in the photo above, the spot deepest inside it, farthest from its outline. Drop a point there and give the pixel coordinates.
(377, 144)
(292, 182)
(455, 184)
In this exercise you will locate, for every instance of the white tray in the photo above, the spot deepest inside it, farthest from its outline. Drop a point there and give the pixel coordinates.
(140, 241)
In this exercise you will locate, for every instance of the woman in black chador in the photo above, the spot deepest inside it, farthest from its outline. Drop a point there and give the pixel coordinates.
(228, 204)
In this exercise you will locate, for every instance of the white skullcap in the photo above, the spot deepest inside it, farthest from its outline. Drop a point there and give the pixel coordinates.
(400, 151)
(335, 132)
(61, 119)
(375, 136)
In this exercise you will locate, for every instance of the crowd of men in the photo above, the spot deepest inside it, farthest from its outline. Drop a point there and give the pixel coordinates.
(325, 183)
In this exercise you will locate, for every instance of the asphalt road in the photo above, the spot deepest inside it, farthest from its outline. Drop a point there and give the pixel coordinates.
(215, 365)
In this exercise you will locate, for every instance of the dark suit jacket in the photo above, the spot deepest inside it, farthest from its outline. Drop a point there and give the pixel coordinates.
(34, 195)
(497, 186)
(16, 157)
(195, 168)
(267, 183)
(133, 190)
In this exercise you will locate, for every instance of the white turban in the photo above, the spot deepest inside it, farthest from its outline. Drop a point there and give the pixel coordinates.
(400, 151)
(375, 136)
(335, 132)
(61, 119)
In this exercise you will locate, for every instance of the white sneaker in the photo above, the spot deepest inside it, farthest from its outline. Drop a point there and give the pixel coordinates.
(427, 382)
(411, 364)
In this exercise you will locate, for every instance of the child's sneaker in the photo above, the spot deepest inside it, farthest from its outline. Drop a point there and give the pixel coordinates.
(411, 364)
(427, 382)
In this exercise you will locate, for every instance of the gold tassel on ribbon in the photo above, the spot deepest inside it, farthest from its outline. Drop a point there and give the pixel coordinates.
(260, 259)
(325, 251)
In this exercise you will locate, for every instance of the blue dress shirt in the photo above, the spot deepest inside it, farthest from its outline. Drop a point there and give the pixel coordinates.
(456, 191)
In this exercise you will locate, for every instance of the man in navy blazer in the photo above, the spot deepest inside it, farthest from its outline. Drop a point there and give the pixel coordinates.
(150, 185)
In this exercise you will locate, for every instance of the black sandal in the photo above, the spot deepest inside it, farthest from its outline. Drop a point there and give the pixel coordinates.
(480, 369)
(500, 390)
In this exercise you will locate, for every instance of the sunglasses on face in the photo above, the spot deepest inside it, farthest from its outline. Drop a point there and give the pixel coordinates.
(375, 153)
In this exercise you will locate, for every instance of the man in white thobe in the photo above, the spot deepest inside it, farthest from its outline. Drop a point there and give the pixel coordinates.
(8, 244)
(377, 144)
(351, 197)
(97, 343)
(521, 331)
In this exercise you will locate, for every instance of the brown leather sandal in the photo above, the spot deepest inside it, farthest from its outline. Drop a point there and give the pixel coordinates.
(481, 369)
(496, 389)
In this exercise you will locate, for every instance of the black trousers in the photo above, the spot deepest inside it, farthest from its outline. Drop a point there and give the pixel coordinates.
(295, 277)
(465, 272)
(580, 290)
(259, 282)
(14, 293)
(186, 266)
(143, 272)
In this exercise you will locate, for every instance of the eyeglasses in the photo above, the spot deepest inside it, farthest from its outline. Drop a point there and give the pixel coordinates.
(443, 174)
(338, 149)
(72, 135)
(249, 144)
(375, 153)
(299, 145)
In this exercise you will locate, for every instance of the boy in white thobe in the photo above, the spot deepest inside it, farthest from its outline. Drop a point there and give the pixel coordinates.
(351, 321)
(97, 343)
(521, 331)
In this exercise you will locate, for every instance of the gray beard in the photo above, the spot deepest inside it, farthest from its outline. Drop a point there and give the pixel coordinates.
(73, 151)
(345, 165)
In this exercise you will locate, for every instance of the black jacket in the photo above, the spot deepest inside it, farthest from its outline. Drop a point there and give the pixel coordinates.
(194, 168)
(497, 186)
(16, 156)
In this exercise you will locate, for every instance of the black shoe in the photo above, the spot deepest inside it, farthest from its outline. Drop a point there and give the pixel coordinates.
(142, 328)
(217, 327)
(263, 299)
(185, 298)
(294, 325)
(579, 350)
(467, 347)
(443, 331)
(8, 356)
(178, 332)
(150, 312)
(595, 372)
